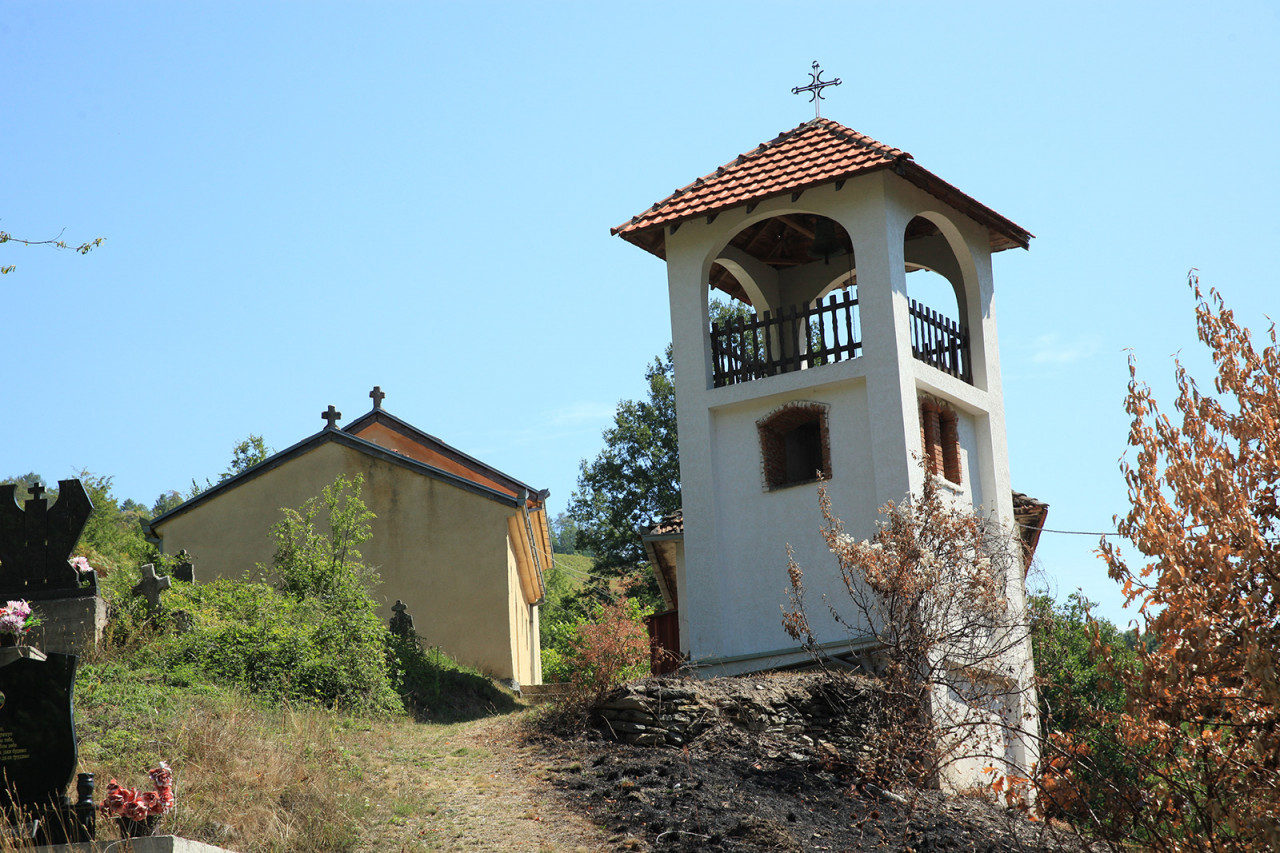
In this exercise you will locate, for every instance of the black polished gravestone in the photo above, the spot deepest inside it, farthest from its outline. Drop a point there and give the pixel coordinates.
(38, 748)
(36, 543)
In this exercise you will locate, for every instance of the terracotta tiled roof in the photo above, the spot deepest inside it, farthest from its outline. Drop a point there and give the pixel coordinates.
(1029, 514)
(817, 152)
(670, 524)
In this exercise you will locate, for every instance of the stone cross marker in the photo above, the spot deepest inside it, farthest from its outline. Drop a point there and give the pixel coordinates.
(401, 622)
(151, 586)
(36, 541)
(377, 396)
(331, 416)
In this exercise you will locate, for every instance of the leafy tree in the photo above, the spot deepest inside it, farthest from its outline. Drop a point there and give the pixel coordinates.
(165, 502)
(113, 537)
(564, 534)
(1202, 716)
(1084, 760)
(244, 456)
(326, 565)
(633, 482)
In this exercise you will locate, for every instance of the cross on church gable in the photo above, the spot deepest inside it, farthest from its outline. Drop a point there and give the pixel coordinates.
(331, 416)
(377, 396)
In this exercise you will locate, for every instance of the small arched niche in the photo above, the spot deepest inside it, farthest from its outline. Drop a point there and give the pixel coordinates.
(938, 305)
(776, 273)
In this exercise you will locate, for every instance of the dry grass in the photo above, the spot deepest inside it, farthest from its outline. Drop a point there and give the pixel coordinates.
(258, 779)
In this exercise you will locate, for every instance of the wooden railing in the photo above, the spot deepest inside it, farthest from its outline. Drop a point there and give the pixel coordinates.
(753, 347)
(940, 341)
(743, 349)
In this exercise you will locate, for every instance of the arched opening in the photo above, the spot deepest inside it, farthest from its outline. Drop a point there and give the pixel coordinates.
(935, 287)
(776, 271)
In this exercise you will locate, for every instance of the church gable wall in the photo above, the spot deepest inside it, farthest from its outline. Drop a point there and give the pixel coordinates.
(440, 549)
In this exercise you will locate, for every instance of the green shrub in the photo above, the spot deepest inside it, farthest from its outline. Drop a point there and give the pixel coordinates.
(266, 642)
(594, 652)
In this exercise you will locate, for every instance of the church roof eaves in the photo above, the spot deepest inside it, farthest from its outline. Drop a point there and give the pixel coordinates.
(310, 443)
(383, 415)
(820, 151)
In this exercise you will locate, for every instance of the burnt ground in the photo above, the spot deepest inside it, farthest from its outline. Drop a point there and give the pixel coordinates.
(732, 789)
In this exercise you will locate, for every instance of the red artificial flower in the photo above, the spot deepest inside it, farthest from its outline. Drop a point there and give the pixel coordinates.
(129, 803)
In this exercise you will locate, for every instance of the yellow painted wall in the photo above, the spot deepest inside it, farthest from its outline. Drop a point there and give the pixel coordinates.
(442, 550)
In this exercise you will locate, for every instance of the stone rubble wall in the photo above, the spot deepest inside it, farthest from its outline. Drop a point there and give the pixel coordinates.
(805, 707)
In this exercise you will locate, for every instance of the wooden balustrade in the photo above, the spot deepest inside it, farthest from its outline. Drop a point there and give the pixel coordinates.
(796, 338)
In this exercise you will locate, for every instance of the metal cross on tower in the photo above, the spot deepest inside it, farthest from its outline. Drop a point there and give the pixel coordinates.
(815, 88)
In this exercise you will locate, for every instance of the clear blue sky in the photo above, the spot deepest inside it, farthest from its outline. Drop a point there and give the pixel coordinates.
(302, 200)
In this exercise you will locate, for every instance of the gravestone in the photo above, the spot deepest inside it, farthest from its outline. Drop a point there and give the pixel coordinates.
(186, 570)
(36, 541)
(38, 748)
(401, 622)
(151, 586)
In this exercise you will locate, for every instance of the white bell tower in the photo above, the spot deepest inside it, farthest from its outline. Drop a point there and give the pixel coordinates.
(840, 371)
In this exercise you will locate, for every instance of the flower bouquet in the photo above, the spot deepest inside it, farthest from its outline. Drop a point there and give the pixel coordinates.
(15, 621)
(137, 813)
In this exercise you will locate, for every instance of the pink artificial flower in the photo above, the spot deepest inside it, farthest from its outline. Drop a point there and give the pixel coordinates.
(13, 617)
(162, 776)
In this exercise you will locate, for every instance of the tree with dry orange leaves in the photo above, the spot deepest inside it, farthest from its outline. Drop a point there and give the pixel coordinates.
(936, 612)
(1202, 719)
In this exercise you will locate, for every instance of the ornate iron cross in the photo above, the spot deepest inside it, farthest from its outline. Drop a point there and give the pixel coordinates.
(815, 88)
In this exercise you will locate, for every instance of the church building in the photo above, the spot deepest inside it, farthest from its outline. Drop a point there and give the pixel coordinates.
(462, 544)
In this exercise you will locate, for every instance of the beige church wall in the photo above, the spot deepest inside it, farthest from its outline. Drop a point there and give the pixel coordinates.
(522, 619)
(440, 549)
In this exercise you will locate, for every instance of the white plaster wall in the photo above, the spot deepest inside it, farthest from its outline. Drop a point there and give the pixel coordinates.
(748, 581)
(732, 577)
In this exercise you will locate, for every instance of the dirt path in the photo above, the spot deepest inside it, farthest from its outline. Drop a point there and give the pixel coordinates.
(470, 786)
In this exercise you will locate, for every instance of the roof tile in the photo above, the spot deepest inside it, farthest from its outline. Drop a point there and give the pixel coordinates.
(814, 153)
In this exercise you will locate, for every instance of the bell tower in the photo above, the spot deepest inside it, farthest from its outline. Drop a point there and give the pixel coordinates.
(826, 364)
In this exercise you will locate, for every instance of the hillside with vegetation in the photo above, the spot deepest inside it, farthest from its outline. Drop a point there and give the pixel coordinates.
(295, 721)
